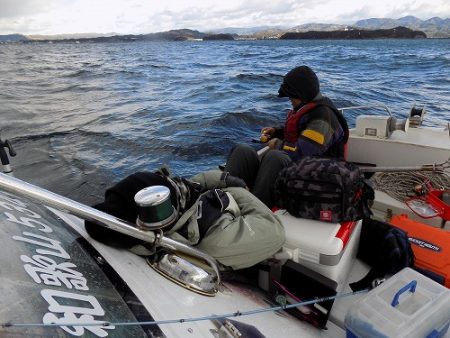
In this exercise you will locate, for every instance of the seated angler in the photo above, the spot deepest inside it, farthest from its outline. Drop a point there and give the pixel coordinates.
(313, 126)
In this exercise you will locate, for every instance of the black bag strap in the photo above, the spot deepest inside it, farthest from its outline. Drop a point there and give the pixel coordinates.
(210, 207)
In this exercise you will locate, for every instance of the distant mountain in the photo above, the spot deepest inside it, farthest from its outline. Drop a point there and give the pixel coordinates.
(409, 21)
(216, 37)
(69, 36)
(317, 27)
(13, 38)
(434, 27)
(353, 34)
(246, 31)
(173, 35)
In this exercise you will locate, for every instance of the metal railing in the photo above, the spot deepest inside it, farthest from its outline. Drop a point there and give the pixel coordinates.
(383, 106)
(45, 197)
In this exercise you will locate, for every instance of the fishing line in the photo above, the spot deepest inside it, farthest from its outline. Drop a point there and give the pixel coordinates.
(187, 320)
(228, 138)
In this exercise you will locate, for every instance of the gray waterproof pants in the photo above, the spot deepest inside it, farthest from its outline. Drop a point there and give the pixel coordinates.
(258, 173)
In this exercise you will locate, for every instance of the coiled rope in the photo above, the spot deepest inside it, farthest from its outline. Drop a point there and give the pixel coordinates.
(405, 184)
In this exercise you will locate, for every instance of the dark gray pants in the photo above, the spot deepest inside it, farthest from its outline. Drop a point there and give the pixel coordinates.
(258, 174)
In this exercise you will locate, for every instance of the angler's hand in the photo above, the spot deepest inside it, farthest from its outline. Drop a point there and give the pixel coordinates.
(266, 134)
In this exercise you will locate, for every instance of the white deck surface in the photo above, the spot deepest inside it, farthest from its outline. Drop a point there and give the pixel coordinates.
(166, 300)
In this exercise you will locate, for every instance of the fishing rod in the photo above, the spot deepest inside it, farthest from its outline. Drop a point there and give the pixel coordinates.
(228, 138)
(238, 313)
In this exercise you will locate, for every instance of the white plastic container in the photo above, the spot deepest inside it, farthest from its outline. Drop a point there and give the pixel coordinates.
(406, 305)
(327, 248)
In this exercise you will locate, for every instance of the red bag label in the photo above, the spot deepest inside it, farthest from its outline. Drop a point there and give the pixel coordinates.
(325, 215)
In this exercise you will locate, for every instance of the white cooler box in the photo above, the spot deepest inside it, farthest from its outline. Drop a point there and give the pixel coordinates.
(407, 305)
(327, 248)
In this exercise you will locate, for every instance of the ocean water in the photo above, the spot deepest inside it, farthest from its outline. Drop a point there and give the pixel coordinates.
(83, 116)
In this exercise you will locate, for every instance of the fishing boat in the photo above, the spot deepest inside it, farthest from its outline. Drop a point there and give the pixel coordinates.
(57, 281)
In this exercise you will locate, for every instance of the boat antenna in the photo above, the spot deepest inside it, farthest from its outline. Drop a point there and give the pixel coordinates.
(4, 155)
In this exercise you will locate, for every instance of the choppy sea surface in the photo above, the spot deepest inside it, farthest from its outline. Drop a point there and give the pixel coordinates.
(82, 116)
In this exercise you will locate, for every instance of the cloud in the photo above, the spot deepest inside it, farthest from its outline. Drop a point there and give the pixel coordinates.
(18, 8)
(244, 14)
(421, 9)
(146, 16)
(395, 10)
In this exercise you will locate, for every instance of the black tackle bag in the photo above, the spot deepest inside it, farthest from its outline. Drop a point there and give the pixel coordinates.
(326, 189)
(385, 248)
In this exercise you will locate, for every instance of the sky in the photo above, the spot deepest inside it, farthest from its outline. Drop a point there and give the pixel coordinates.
(32, 17)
